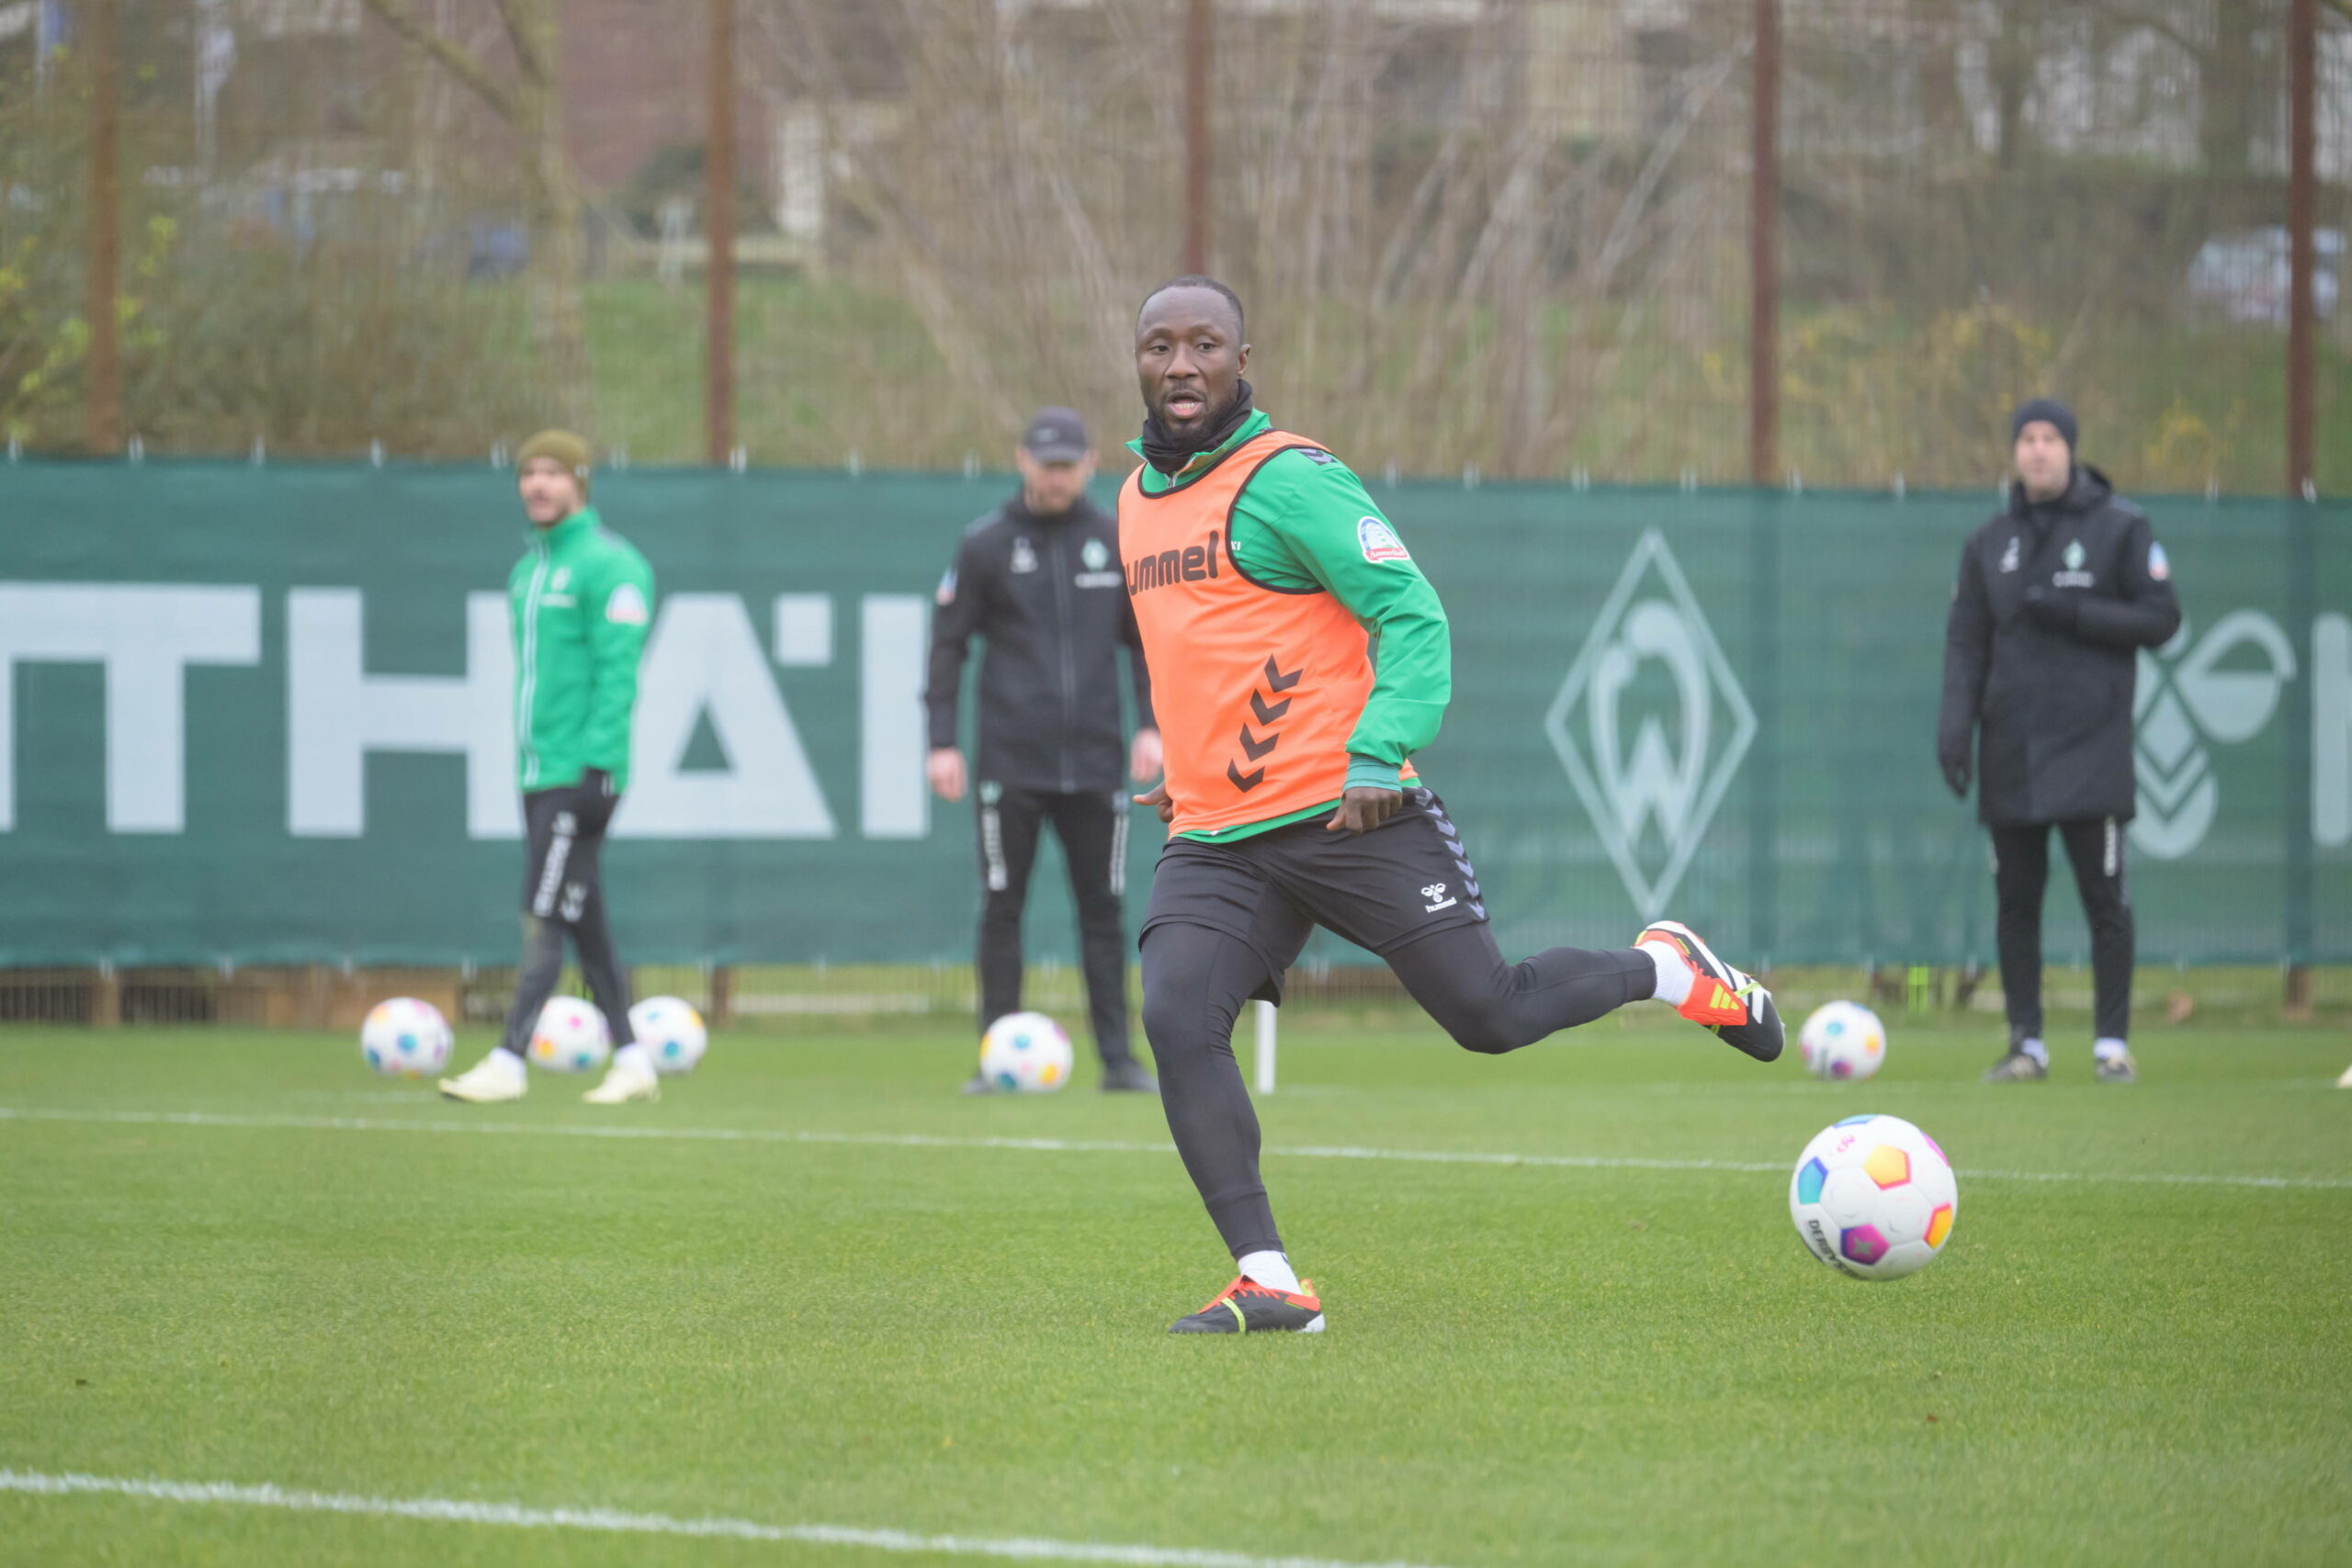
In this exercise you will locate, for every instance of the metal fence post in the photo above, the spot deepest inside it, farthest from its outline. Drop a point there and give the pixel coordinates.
(2302, 70)
(2303, 572)
(1197, 51)
(1764, 252)
(2302, 202)
(1764, 760)
(718, 233)
(103, 383)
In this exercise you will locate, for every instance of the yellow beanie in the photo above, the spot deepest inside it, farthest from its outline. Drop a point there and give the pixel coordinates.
(570, 450)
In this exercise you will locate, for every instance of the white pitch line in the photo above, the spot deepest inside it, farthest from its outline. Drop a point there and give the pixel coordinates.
(450, 1510)
(1087, 1145)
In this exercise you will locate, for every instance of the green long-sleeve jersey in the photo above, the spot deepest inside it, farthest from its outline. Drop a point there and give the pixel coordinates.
(1302, 524)
(580, 602)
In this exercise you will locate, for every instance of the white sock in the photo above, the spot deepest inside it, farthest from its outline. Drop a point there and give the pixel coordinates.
(1675, 976)
(1272, 1270)
(2108, 1050)
(2035, 1049)
(633, 1055)
(513, 1060)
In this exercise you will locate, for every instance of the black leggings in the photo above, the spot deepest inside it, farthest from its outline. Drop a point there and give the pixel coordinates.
(1195, 979)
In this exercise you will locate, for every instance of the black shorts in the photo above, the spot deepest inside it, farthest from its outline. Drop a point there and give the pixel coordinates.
(1381, 890)
(564, 830)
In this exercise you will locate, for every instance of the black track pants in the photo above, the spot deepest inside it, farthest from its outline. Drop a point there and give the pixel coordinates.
(564, 894)
(2020, 875)
(1195, 979)
(1093, 827)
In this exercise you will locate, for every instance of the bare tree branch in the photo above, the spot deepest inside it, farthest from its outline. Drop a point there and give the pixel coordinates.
(518, 38)
(405, 23)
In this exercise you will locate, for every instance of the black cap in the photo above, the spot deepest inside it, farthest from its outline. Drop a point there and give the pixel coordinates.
(2046, 408)
(1056, 435)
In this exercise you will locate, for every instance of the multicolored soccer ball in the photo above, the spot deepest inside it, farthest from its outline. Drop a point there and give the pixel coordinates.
(570, 1037)
(1874, 1198)
(405, 1038)
(672, 1030)
(1025, 1052)
(1843, 1040)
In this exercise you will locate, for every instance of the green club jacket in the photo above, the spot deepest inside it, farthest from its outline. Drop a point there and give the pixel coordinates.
(581, 601)
(1296, 528)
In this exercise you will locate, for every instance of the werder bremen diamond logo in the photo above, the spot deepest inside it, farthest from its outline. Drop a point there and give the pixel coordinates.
(2187, 701)
(1651, 725)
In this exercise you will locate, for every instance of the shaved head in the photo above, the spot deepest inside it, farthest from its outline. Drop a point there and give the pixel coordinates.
(1195, 280)
(1190, 356)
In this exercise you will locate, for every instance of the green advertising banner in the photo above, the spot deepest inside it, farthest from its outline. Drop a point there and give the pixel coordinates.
(263, 716)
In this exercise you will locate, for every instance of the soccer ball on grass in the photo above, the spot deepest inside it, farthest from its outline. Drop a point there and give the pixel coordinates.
(405, 1038)
(570, 1037)
(1874, 1198)
(1025, 1052)
(1842, 1040)
(669, 1029)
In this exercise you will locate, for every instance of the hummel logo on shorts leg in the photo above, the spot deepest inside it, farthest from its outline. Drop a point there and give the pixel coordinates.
(1436, 891)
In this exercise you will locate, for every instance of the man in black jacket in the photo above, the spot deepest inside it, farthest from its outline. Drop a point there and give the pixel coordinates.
(2056, 596)
(1039, 579)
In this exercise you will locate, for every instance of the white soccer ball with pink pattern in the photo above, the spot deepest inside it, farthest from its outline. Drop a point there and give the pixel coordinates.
(570, 1037)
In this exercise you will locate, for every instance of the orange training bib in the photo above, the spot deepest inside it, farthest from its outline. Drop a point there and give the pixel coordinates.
(1257, 689)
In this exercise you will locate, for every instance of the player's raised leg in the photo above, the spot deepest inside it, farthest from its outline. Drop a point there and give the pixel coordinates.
(1729, 1003)
(1461, 979)
(1405, 889)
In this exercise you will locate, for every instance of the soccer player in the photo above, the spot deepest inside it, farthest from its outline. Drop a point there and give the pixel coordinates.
(1038, 579)
(1258, 565)
(2057, 594)
(582, 599)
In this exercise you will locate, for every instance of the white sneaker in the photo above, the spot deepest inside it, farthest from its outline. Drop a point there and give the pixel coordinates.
(630, 1077)
(497, 1076)
(2345, 1081)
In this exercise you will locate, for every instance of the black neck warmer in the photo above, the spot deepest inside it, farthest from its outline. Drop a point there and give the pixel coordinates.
(1169, 454)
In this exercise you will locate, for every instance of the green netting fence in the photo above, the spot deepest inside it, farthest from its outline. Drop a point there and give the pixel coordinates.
(259, 716)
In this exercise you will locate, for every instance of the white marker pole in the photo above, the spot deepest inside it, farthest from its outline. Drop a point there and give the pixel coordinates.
(1265, 1048)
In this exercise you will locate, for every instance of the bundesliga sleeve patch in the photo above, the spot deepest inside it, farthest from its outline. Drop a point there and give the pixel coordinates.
(947, 594)
(1380, 541)
(627, 607)
(2159, 564)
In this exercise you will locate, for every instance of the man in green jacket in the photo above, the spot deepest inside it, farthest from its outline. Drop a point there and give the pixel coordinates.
(582, 599)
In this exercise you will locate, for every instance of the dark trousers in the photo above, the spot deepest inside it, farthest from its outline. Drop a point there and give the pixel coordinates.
(2021, 873)
(1093, 827)
(563, 895)
(1195, 979)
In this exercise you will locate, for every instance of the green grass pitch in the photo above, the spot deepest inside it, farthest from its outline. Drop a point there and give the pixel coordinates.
(334, 1283)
